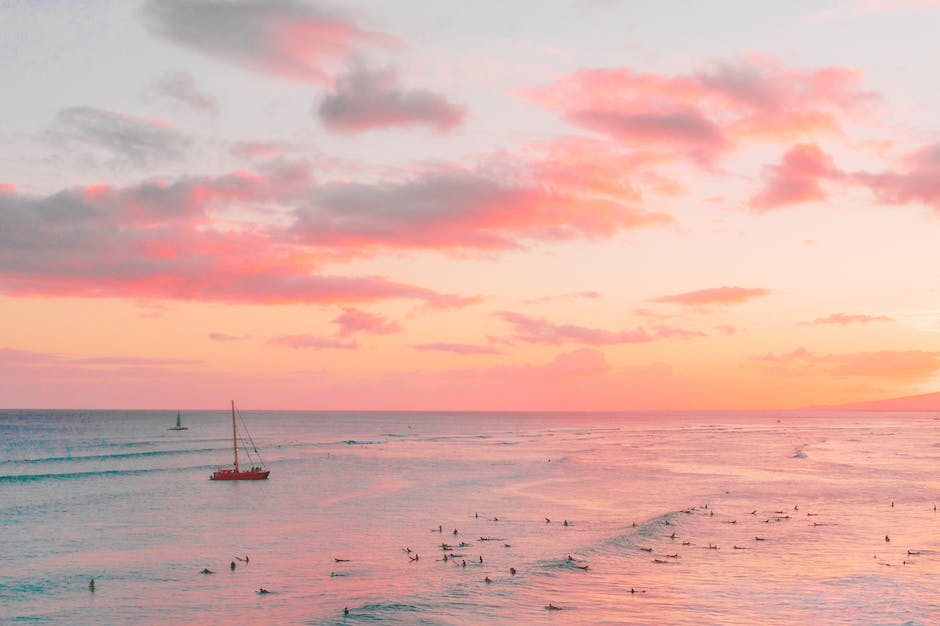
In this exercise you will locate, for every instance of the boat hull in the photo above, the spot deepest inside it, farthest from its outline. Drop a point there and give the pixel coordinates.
(231, 474)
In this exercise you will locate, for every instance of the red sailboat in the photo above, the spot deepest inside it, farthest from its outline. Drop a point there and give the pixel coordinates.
(257, 471)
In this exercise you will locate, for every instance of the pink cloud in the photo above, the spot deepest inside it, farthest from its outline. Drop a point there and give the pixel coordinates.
(919, 183)
(265, 235)
(796, 179)
(279, 37)
(168, 240)
(536, 330)
(715, 295)
(353, 321)
(312, 342)
(457, 348)
(567, 297)
(223, 337)
(845, 319)
(27, 358)
(893, 364)
(459, 208)
(255, 150)
(701, 115)
(365, 100)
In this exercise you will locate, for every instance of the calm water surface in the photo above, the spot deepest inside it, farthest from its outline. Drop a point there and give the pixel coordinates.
(779, 518)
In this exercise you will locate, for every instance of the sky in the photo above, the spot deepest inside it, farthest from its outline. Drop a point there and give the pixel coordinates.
(424, 205)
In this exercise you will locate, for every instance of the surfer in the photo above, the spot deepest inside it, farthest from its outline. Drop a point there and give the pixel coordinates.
(487, 580)
(206, 570)
(91, 585)
(346, 610)
(233, 566)
(566, 523)
(512, 571)
(262, 590)
(552, 607)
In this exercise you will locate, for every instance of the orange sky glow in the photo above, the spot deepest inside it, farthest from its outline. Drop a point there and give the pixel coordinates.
(414, 206)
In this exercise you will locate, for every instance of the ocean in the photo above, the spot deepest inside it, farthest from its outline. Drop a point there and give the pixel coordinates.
(633, 518)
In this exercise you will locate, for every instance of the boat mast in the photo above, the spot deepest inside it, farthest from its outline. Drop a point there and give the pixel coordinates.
(234, 439)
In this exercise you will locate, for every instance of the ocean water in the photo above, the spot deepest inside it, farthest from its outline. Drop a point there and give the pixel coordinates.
(746, 518)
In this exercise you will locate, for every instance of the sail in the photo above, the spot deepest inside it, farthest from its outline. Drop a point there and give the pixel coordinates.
(257, 471)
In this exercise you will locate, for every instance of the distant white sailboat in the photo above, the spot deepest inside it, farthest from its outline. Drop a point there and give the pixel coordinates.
(178, 425)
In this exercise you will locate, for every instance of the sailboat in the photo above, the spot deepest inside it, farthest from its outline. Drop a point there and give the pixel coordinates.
(257, 471)
(178, 425)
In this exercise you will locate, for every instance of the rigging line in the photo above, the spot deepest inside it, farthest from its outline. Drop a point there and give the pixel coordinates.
(252, 441)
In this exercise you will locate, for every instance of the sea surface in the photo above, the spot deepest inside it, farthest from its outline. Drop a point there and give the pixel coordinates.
(673, 518)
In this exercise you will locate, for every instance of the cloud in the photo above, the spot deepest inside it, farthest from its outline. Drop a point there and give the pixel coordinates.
(457, 348)
(844, 319)
(893, 364)
(255, 150)
(222, 337)
(371, 99)
(796, 179)
(312, 342)
(458, 208)
(180, 88)
(138, 141)
(702, 115)
(539, 331)
(715, 295)
(919, 183)
(28, 358)
(283, 38)
(266, 235)
(170, 240)
(353, 321)
(571, 296)
(682, 128)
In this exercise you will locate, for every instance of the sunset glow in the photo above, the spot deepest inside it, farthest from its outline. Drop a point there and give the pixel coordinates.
(581, 206)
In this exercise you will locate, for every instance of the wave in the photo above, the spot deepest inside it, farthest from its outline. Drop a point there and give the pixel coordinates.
(25, 478)
(108, 457)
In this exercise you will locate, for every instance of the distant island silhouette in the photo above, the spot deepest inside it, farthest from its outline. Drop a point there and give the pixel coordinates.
(922, 402)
